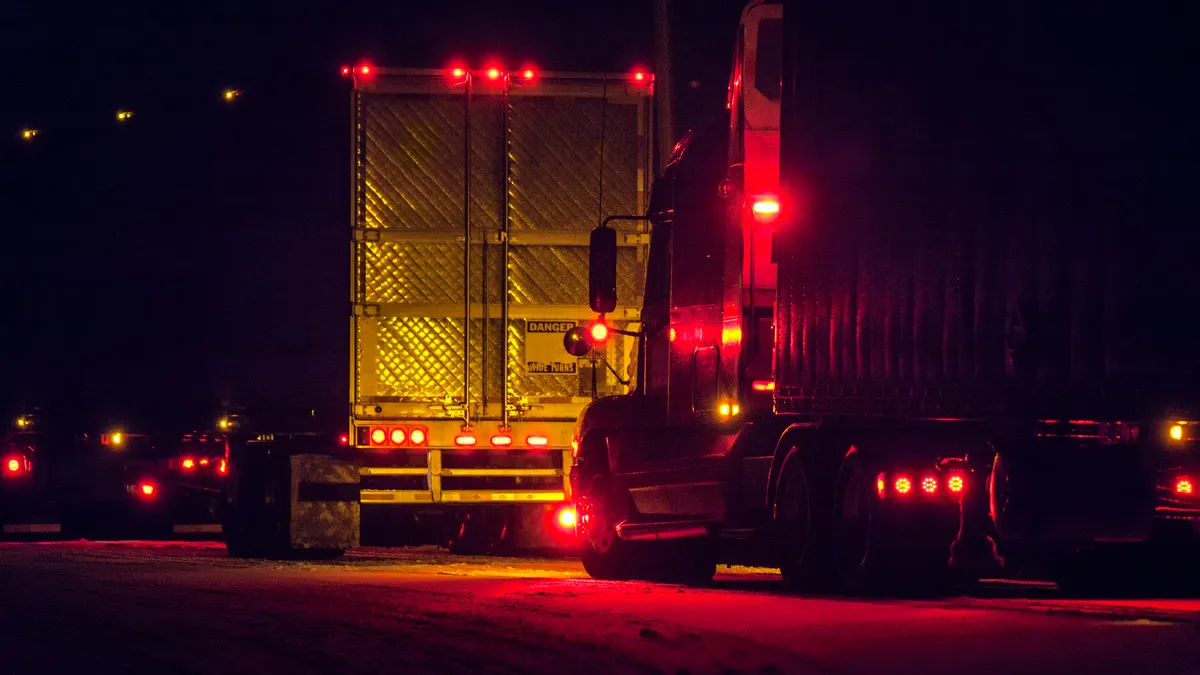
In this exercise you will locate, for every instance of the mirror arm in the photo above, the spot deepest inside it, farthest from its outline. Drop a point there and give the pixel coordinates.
(609, 219)
(624, 382)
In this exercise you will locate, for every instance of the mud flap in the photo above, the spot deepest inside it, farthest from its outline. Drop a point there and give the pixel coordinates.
(324, 507)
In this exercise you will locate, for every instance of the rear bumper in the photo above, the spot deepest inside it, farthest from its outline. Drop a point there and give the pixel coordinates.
(472, 477)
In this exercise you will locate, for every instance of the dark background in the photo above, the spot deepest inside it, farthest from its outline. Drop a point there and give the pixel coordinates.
(196, 255)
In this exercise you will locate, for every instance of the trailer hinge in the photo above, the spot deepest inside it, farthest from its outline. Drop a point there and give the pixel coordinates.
(366, 234)
(365, 310)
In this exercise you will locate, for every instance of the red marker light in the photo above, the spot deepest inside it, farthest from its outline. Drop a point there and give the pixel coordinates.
(398, 436)
(417, 436)
(344, 439)
(566, 518)
(465, 440)
(378, 436)
(929, 485)
(458, 72)
(955, 484)
(765, 209)
(189, 463)
(763, 385)
(13, 465)
(501, 439)
(880, 485)
(364, 70)
(599, 332)
(493, 73)
(204, 462)
(345, 70)
(537, 441)
(527, 74)
(147, 489)
(639, 76)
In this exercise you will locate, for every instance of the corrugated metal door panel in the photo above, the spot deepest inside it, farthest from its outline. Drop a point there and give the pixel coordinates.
(420, 358)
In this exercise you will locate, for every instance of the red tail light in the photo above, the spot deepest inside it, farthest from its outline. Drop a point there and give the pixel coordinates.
(763, 385)
(378, 436)
(1184, 486)
(189, 464)
(765, 209)
(528, 74)
(501, 440)
(417, 436)
(537, 441)
(147, 489)
(903, 485)
(929, 485)
(465, 440)
(398, 436)
(13, 466)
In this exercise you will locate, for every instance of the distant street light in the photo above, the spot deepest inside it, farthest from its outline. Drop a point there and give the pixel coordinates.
(28, 134)
(124, 115)
(232, 94)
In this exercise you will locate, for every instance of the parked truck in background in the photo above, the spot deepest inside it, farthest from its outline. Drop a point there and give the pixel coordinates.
(923, 289)
(474, 190)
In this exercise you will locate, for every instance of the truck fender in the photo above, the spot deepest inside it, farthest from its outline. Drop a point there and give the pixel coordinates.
(800, 441)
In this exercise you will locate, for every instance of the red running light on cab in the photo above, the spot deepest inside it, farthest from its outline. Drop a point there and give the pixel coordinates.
(501, 439)
(903, 485)
(465, 440)
(398, 436)
(1184, 486)
(929, 485)
(537, 441)
(599, 332)
(763, 385)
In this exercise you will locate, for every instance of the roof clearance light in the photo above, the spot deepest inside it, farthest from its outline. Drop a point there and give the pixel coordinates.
(465, 440)
(417, 436)
(398, 436)
(378, 436)
(501, 439)
(493, 73)
(537, 441)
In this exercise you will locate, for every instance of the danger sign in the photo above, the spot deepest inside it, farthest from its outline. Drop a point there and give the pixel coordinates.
(544, 351)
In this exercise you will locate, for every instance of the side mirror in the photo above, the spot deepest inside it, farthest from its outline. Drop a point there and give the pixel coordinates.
(602, 270)
(576, 343)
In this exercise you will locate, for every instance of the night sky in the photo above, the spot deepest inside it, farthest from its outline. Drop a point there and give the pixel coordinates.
(197, 254)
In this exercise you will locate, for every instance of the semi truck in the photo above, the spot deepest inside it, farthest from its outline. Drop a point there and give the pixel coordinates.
(474, 189)
(919, 306)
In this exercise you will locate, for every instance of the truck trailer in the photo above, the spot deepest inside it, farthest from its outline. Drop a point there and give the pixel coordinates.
(919, 306)
(474, 192)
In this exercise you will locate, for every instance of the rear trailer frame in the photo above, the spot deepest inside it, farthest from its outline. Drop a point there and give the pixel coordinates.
(474, 196)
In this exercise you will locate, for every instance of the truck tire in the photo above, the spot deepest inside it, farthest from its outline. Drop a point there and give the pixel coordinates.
(604, 555)
(477, 534)
(802, 529)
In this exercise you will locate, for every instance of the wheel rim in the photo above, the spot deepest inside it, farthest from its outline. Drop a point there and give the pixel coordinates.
(596, 524)
(853, 534)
